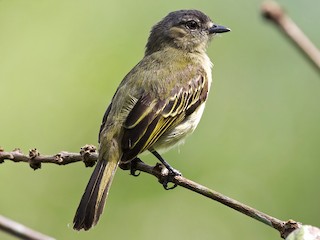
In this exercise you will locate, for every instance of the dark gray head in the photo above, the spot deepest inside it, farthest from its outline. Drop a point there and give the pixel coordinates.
(190, 30)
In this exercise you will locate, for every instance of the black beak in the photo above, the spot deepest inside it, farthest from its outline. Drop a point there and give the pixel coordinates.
(218, 29)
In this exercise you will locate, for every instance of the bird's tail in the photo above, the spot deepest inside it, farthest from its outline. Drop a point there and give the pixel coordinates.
(93, 200)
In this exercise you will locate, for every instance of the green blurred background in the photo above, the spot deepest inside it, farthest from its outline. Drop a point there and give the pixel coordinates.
(258, 141)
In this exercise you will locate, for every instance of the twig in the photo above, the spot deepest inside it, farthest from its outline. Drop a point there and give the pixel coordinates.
(21, 231)
(273, 12)
(89, 152)
(284, 227)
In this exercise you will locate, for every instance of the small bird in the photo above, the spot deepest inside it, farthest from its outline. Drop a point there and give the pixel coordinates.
(157, 104)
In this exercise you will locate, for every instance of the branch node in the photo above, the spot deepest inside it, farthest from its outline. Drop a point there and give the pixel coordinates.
(16, 151)
(87, 152)
(59, 157)
(160, 168)
(4, 155)
(33, 153)
(288, 227)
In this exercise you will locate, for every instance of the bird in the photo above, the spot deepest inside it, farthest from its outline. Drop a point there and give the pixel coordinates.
(156, 106)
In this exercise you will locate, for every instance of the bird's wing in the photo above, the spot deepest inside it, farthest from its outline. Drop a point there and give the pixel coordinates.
(104, 120)
(150, 118)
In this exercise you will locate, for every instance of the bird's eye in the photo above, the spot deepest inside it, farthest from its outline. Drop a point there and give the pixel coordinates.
(192, 25)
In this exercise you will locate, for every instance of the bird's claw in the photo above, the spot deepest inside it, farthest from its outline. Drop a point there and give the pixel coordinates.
(133, 167)
(168, 176)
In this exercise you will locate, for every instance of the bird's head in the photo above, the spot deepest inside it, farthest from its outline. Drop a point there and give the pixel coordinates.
(189, 30)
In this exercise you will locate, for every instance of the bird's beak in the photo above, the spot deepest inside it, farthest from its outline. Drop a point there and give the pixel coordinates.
(218, 29)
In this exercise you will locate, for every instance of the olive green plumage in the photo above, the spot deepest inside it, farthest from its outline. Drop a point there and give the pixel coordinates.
(158, 103)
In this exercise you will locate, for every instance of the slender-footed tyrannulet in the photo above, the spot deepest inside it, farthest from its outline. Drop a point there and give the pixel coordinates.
(156, 105)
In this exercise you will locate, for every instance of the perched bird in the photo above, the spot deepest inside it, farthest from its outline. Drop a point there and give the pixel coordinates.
(158, 103)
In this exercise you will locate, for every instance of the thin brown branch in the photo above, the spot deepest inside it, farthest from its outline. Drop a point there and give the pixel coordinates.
(284, 227)
(88, 155)
(22, 232)
(273, 12)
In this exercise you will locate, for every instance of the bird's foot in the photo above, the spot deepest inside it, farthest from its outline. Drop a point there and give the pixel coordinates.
(167, 176)
(168, 173)
(132, 166)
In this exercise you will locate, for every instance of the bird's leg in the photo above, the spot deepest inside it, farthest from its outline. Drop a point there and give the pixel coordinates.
(166, 164)
(172, 172)
(131, 166)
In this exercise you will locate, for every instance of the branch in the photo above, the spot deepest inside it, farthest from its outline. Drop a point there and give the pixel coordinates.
(273, 12)
(89, 155)
(284, 227)
(21, 231)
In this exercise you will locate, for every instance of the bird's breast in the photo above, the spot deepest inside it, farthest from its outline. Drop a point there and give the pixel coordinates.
(177, 135)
